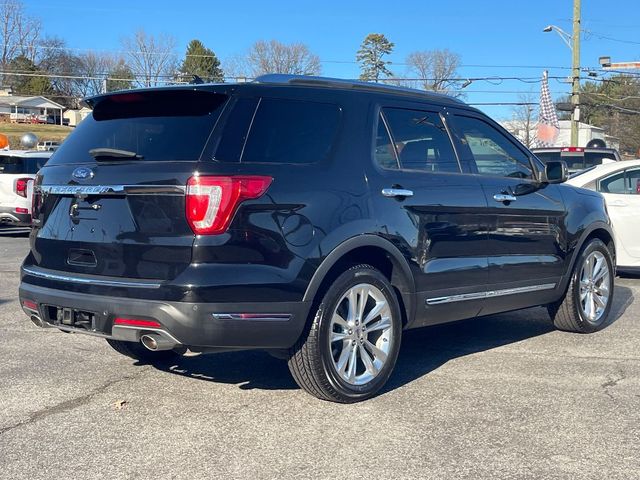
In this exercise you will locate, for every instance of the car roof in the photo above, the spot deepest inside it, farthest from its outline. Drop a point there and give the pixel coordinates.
(603, 170)
(25, 153)
(299, 81)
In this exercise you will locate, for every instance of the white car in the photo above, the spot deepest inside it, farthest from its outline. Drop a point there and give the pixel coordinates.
(619, 183)
(18, 168)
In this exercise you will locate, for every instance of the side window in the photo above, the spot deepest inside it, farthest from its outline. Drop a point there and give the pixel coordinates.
(633, 177)
(385, 155)
(494, 154)
(421, 140)
(613, 184)
(291, 131)
(236, 127)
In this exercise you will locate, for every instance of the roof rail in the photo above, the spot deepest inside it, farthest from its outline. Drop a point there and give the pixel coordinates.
(329, 82)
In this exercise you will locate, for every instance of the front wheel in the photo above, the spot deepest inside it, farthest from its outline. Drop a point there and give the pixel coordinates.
(353, 341)
(587, 301)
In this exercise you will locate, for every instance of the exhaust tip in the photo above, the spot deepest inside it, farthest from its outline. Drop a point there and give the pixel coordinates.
(37, 321)
(149, 342)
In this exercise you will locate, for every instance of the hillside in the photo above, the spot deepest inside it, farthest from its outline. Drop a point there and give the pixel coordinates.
(44, 132)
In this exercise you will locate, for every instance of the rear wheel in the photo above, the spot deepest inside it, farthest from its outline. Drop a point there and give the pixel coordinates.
(353, 341)
(138, 352)
(587, 302)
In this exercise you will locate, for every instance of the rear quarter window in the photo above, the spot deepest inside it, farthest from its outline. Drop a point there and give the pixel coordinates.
(291, 132)
(18, 165)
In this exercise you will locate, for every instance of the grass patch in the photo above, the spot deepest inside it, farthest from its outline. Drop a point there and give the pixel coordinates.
(14, 131)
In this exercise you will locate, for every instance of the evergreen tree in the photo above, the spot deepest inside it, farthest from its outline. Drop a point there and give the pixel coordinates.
(201, 61)
(120, 77)
(371, 57)
(29, 84)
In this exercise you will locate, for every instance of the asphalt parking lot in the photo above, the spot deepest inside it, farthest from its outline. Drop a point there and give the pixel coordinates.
(498, 397)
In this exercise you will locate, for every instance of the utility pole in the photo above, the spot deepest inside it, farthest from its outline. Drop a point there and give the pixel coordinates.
(575, 75)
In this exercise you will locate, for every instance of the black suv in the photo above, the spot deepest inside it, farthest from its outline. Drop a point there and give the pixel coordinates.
(313, 218)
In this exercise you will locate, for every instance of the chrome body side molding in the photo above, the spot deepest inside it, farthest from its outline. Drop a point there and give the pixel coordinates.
(489, 294)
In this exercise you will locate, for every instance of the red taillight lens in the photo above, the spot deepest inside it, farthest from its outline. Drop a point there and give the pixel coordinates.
(30, 305)
(212, 200)
(21, 186)
(135, 322)
(22, 210)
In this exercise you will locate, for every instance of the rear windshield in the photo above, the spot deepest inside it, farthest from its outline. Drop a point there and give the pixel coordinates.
(595, 158)
(548, 156)
(31, 165)
(156, 125)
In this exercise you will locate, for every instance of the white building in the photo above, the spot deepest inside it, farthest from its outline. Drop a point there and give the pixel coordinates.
(586, 133)
(21, 109)
(74, 117)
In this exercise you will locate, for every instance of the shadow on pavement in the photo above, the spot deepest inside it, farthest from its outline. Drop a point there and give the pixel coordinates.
(423, 350)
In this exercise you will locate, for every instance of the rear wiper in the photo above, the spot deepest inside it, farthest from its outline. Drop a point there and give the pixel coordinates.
(98, 153)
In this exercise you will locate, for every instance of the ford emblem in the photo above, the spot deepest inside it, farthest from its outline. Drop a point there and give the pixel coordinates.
(82, 173)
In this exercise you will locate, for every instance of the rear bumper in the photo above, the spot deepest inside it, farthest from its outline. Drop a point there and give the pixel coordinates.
(9, 216)
(263, 325)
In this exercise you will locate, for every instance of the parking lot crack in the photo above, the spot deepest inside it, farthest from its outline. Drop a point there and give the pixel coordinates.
(69, 405)
(612, 382)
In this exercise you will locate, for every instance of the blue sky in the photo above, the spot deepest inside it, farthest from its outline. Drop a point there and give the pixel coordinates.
(494, 38)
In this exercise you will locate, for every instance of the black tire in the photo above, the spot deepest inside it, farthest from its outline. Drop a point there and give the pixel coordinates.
(138, 352)
(568, 313)
(312, 360)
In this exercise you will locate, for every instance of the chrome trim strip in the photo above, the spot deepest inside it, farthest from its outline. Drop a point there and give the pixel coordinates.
(261, 317)
(112, 189)
(489, 294)
(89, 281)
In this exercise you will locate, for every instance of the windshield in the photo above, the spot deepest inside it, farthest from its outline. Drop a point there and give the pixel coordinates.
(159, 125)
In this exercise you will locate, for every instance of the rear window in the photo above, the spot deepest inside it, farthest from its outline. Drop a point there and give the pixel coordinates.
(30, 165)
(157, 125)
(548, 156)
(279, 131)
(595, 158)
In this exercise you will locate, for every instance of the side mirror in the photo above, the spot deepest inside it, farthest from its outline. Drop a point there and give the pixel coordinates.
(556, 171)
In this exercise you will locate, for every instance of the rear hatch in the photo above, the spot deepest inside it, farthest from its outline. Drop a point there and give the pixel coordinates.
(111, 201)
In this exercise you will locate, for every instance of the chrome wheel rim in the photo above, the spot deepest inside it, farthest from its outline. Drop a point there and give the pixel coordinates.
(361, 334)
(594, 286)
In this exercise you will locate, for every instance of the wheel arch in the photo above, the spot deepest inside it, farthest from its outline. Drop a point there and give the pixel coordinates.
(375, 251)
(600, 230)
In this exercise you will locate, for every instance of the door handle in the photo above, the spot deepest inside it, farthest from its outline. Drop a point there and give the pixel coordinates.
(396, 192)
(504, 197)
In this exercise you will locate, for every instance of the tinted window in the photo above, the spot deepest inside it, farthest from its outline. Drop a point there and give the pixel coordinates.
(9, 164)
(548, 156)
(613, 184)
(595, 158)
(289, 131)
(494, 154)
(421, 141)
(385, 155)
(158, 125)
(633, 179)
(236, 127)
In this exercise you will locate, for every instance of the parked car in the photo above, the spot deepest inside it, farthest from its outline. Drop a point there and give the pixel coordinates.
(314, 218)
(18, 169)
(578, 158)
(47, 146)
(619, 183)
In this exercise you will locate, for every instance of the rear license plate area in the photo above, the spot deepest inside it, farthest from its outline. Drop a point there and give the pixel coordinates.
(71, 317)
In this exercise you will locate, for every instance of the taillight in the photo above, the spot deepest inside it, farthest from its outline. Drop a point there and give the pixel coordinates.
(22, 210)
(212, 200)
(21, 186)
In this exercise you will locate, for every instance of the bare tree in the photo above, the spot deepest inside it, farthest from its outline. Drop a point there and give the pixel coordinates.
(19, 32)
(435, 70)
(94, 67)
(275, 57)
(524, 119)
(151, 58)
